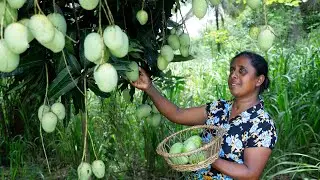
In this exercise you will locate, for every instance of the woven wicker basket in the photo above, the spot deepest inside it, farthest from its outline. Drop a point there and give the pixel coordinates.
(210, 148)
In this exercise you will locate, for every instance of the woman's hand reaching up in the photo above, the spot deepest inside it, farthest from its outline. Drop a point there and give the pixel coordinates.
(144, 82)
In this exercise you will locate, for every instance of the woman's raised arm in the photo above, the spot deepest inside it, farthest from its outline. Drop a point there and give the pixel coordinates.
(185, 116)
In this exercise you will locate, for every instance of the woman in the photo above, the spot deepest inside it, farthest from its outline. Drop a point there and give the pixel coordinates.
(251, 133)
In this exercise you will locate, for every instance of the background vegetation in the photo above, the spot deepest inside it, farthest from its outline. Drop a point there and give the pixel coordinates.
(127, 144)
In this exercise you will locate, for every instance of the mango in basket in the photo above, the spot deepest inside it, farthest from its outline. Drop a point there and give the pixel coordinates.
(195, 139)
(189, 146)
(176, 149)
(197, 157)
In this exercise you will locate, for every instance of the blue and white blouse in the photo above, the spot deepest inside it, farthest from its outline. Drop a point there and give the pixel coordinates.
(252, 128)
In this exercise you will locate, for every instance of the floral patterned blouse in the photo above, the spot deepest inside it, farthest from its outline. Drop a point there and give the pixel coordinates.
(252, 128)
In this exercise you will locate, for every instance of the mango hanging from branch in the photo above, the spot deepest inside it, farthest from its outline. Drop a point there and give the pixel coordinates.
(93, 47)
(41, 28)
(173, 41)
(88, 4)
(142, 17)
(58, 22)
(16, 4)
(106, 77)
(98, 168)
(16, 37)
(9, 61)
(133, 72)
(162, 64)
(199, 8)
(266, 38)
(254, 4)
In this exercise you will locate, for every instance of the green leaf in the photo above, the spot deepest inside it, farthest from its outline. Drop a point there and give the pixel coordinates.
(134, 50)
(63, 88)
(78, 100)
(83, 60)
(69, 44)
(59, 63)
(179, 58)
(135, 46)
(171, 23)
(30, 63)
(19, 84)
(62, 84)
(135, 55)
(72, 62)
(24, 66)
(62, 76)
(119, 67)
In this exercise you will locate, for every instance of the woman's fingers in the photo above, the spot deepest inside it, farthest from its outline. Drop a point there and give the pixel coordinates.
(137, 83)
(143, 72)
(143, 80)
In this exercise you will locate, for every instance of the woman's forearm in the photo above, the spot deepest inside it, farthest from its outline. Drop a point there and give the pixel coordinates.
(189, 116)
(164, 106)
(234, 170)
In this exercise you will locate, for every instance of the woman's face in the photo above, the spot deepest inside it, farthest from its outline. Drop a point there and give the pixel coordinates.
(242, 78)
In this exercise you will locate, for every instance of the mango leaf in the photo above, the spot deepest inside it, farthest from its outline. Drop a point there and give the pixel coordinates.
(20, 84)
(83, 60)
(62, 84)
(63, 88)
(59, 63)
(135, 55)
(171, 23)
(60, 77)
(72, 62)
(179, 58)
(135, 46)
(78, 100)
(24, 66)
(134, 50)
(119, 67)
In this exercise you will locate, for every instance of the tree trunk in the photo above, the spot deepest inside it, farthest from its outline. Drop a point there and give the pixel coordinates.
(3, 123)
(85, 136)
(217, 24)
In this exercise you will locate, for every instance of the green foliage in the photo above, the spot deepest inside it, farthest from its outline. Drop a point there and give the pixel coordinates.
(294, 103)
(126, 143)
(286, 2)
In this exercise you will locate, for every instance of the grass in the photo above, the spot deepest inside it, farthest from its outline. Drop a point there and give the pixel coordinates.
(294, 104)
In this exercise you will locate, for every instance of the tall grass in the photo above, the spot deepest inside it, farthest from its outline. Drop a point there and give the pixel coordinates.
(294, 103)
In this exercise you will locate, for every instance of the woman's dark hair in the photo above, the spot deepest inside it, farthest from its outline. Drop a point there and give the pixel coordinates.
(259, 64)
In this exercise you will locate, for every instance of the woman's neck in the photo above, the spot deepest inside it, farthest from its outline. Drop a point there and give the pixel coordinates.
(245, 103)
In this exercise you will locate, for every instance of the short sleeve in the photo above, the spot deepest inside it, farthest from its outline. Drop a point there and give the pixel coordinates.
(214, 108)
(262, 134)
(216, 111)
(210, 107)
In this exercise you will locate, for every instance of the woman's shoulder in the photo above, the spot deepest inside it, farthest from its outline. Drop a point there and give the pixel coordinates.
(219, 102)
(264, 116)
(262, 132)
(217, 108)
